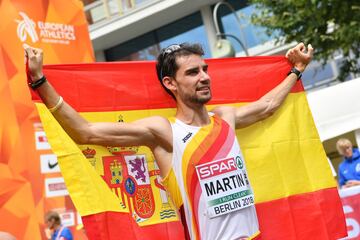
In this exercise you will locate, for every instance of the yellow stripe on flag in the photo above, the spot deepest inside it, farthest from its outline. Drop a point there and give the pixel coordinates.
(88, 191)
(274, 156)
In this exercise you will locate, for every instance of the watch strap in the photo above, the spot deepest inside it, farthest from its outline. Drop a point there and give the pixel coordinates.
(37, 83)
(296, 71)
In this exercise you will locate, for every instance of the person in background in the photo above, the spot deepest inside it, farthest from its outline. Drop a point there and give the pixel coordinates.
(349, 168)
(55, 231)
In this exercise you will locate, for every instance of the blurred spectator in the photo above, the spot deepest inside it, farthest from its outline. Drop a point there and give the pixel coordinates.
(349, 168)
(6, 236)
(55, 231)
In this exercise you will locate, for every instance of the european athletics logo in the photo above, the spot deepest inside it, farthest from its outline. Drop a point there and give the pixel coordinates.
(26, 27)
(46, 32)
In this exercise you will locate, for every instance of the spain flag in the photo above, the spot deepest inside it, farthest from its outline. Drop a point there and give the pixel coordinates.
(117, 190)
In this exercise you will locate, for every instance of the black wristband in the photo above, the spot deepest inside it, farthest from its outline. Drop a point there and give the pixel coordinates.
(297, 72)
(38, 83)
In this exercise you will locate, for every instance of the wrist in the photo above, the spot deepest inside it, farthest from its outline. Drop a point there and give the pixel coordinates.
(37, 76)
(300, 68)
(295, 71)
(36, 84)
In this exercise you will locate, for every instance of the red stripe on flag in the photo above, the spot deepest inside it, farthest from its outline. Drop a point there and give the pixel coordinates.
(312, 215)
(134, 85)
(115, 225)
(108, 225)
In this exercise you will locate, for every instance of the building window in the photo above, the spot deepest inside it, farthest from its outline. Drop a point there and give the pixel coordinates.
(147, 47)
(250, 34)
(100, 10)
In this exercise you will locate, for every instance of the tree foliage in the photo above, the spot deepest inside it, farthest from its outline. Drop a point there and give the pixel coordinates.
(331, 26)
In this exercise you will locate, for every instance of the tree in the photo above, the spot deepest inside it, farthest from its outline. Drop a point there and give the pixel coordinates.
(331, 26)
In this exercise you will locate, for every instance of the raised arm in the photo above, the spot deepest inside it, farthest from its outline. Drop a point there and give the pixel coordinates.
(142, 132)
(246, 115)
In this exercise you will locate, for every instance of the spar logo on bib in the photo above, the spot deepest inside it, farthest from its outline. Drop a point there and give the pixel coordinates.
(48, 32)
(216, 168)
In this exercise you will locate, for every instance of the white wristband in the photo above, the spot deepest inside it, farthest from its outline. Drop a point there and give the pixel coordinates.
(57, 106)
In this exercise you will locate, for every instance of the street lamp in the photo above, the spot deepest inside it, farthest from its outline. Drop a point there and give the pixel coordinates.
(223, 47)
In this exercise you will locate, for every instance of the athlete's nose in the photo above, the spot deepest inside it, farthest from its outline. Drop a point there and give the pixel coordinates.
(204, 76)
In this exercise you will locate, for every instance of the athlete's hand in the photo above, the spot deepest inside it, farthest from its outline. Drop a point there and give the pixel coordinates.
(299, 56)
(34, 57)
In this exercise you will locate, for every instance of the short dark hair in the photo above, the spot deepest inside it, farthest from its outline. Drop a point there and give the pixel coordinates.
(53, 215)
(166, 61)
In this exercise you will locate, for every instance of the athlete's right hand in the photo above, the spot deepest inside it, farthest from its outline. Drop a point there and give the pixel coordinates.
(34, 57)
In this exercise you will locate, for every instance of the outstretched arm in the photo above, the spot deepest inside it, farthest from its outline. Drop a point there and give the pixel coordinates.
(246, 115)
(141, 132)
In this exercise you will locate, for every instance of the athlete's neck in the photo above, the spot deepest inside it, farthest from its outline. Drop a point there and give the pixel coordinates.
(194, 116)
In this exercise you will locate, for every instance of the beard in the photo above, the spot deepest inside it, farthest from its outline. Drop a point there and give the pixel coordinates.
(199, 99)
(200, 96)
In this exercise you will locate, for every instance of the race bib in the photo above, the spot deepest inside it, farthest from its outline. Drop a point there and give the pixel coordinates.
(225, 186)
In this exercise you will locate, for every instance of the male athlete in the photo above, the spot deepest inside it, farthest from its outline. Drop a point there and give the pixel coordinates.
(193, 145)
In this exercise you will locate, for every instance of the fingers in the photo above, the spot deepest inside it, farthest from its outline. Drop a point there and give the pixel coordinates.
(290, 55)
(300, 50)
(32, 52)
(34, 61)
(301, 47)
(310, 50)
(28, 51)
(287, 53)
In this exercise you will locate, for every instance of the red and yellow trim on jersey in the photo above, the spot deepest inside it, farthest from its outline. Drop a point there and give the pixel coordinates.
(256, 236)
(203, 147)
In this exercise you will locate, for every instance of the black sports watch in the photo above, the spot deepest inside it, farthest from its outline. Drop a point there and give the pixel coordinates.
(38, 83)
(297, 72)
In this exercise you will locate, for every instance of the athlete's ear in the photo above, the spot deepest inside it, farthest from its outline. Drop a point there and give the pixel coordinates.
(169, 83)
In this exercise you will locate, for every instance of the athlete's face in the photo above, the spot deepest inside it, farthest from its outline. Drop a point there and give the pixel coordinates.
(192, 80)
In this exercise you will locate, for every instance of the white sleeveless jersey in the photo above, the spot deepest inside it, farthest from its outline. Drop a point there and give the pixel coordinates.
(209, 179)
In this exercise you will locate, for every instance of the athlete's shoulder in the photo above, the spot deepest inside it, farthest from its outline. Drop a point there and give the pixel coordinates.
(159, 126)
(227, 113)
(154, 121)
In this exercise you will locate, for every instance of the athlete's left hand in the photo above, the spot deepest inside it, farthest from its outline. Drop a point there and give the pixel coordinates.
(299, 56)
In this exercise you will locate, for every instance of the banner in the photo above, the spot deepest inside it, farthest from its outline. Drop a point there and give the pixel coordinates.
(350, 198)
(30, 179)
(296, 196)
